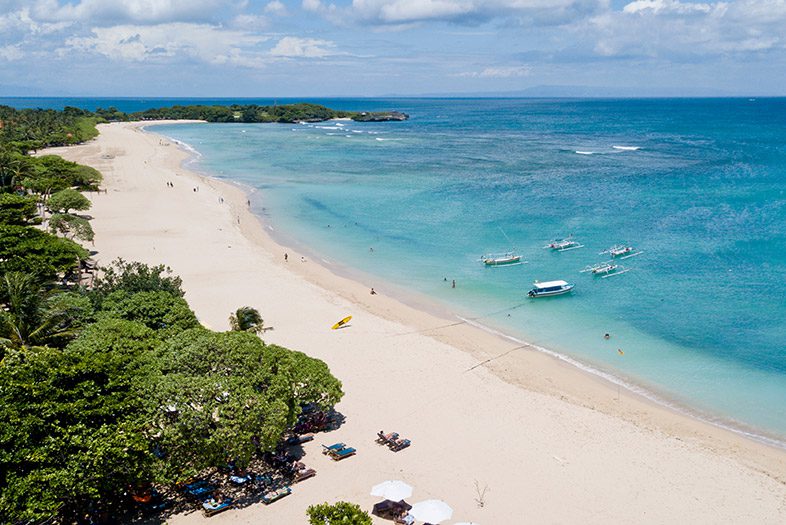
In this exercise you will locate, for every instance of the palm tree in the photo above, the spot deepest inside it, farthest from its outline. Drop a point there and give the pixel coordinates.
(247, 319)
(31, 317)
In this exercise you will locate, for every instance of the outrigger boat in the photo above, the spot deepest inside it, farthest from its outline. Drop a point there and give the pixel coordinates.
(621, 251)
(563, 245)
(502, 259)
(606, 269)
(550, 288)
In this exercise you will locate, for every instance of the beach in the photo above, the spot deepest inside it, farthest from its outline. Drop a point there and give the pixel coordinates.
(550, 442)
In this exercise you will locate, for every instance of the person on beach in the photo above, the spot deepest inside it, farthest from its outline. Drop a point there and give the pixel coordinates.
(286, 257)
(453, 285)
(373, 292)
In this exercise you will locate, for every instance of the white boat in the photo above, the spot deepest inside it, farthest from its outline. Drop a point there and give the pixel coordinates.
(563, 245)
(549, 288)
(605, 269)
(502, 259)
(621, 251)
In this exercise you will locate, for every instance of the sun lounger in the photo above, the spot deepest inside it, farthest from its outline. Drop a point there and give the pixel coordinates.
(335, 446)
(300, 475)
(275, 495)
(399, 444)
(384, 439)
(338, 455)
(199, 489)
(212, 507)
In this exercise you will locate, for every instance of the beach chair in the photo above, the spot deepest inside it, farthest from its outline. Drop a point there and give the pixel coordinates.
(326, 449)
(302, 474)
(384, 439)
(211, 507)
(399, 444)
(276, 494)
(338, 455)
(198, 489)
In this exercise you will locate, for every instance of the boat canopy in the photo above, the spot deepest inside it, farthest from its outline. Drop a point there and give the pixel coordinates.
(549, 284)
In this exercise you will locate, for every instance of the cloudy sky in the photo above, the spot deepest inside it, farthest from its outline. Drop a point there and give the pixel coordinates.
(284, 48)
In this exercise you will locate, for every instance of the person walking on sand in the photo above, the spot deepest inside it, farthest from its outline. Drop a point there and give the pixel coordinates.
(286, 257)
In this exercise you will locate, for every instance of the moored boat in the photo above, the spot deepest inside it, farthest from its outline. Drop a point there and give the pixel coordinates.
(501, 259)
(550, 288)
(621, 251)
(605, 269)
(563, 245)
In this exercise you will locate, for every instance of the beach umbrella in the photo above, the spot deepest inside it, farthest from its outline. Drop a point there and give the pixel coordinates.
(393, 490)
(431, 511)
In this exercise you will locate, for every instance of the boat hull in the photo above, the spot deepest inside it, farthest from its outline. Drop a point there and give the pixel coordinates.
(502, 262)
(535, 293)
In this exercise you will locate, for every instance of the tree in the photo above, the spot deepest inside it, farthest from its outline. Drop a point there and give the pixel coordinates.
(247, 319)
(30, 250)
(30, 316)
(71, 425)
(222, 395)
(71, 226)
(339, 512)
(159, 310)
(66, 200)
(137, 277)
(18, 210)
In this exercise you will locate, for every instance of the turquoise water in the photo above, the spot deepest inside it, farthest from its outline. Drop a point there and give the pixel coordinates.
(701, 316)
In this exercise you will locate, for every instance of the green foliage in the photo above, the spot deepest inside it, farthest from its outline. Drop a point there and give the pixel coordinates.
(30, 250)
(32, 129)
(247, 319)
(71, 226)
(135, 277)
(30, 316)
(339, 512)
(312, 381)
(66, 200)
(14, 167)
(70, 432)
(18, 210)
(159, 310)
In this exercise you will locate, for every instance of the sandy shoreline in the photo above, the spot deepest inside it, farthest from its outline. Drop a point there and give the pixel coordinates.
(536, 430)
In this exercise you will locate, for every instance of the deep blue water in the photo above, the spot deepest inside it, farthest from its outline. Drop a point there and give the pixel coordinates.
(701, 316)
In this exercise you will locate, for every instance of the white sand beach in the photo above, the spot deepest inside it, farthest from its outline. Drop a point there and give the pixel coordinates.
(551, 443)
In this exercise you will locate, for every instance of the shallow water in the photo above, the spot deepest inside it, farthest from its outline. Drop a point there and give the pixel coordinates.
(698, 185)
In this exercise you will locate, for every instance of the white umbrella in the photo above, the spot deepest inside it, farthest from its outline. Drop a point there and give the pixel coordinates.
(431, 511)
(392, 490)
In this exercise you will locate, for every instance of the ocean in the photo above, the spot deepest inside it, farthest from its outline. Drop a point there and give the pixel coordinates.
(697, 185)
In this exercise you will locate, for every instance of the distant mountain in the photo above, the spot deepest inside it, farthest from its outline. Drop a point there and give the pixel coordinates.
(592, 92)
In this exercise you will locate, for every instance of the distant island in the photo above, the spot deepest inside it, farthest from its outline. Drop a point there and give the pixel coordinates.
(26, 130)
(252, 113)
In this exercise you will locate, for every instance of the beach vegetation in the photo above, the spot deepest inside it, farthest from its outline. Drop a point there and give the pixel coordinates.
(340, 512)
(66, 200)
(247, 319)
(71, 226)
(132, 277)
(18, 210)
(29, 250)
(162, 311)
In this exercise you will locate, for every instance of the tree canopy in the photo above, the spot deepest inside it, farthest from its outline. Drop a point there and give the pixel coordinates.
(341, 512)
(66, 200)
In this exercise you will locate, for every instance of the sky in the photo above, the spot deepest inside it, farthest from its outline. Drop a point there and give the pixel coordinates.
(320, 48)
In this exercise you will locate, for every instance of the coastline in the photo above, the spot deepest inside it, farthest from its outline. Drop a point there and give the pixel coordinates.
(583, 417)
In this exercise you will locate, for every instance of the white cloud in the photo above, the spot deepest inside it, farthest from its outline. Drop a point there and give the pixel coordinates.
(9, 53)
(499, 72)
(294, 47)
(668, 6)
(276, 8)
(203, 42)
(473, 11)
(137, 11)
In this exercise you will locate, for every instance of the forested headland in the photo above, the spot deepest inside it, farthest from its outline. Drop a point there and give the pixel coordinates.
(111, 391)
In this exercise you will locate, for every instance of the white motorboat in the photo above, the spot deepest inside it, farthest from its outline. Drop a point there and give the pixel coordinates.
(550, 288)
